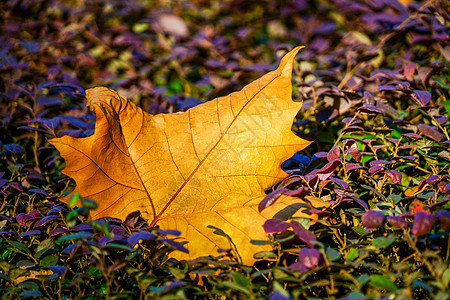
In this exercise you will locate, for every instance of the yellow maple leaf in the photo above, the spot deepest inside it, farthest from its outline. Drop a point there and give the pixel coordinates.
(207, 166)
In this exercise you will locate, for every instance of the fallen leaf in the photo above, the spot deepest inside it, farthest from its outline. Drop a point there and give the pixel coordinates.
(207, 166)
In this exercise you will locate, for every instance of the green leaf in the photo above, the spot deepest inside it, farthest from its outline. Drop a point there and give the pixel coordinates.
(359, 230)
(375, 191)
(72, 218)
(4, 277)
(177, 273)
(102, 226)
(140, 27)
(394, 198)
(240, 279)
(117, 247)
(445, 86)
(261, 242)
(234, 286)
(76, 236)
(383, 282)
(383, 242)
(446, 277)
(363, 279)
(352, 254)
(332, 254)
(366, 158)
(19, 246)
(355, 295)
(265, 254)
(73, 200)
(43, 247)
(49, 260)
(89, 204)
(305, 222)
(25, 264)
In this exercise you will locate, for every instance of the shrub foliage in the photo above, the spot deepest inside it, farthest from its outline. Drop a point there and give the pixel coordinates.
(374, 81)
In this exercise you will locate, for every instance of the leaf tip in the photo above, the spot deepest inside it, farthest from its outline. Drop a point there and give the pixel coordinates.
(287, 62)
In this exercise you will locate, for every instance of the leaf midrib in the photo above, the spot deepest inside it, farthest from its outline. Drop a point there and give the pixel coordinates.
(157, 217)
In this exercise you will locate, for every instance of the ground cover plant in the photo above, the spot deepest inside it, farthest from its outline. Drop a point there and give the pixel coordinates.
(373, 78)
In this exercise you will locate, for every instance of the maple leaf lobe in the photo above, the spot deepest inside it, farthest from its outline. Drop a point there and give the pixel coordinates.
(211, 163)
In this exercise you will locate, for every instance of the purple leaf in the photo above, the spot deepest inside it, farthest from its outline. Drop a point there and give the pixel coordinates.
(395, 176)
(117, 231)
(169, 231)
(45, 100)
(352, 129)
(379, 162)
(408, 157)
(328, 169)
(375, 169)
(444, 219)
(319, 155)
(439, 203)
(275, 226)
(50, 123)
(271, 199)
(423, 223)
(397, 222)
(82, 226)
(31, 232)
(334, 153)
(423, 97)
(349, 143)
(348, 120)
(325, 213)
(175, 245)
(370, 109)
(357, 200)
(303, 234)
(14, 149)
(38, 191)
(301, 159)
(35, 214)
(430, 132)
(373, 219)
(132, 218)
(432, 179)
(442, 186)
(173, 284)
(23, 218)
(3, 182)
(140, 236)
(46, 220)
(298, 266)
(309, 257)
(427, 181)
(16, 186)
(58, 231)
(60, 270)
(71, 249)
(412, 135)
(355, 153)
(408, 70)
(301, 192)
(312, 180)
(76, 122)
(353, 167)
(339, 182)
(440, 119)
(6, 218)
(276, 295)
(55, 210)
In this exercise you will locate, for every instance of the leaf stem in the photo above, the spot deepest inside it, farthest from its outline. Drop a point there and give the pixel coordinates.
(346, 126)
(427, 264)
